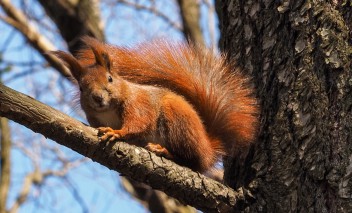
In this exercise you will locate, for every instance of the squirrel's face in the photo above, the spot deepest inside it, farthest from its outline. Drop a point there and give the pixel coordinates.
(98, 88)
(101, 89)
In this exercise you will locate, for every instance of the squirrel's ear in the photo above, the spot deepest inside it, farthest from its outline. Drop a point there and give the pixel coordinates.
(71, 62)
(90, 41)
(101, 57)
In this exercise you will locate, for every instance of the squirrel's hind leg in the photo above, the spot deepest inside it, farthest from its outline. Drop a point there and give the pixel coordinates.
(159, 150)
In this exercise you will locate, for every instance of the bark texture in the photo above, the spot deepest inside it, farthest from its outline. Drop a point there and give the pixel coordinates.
(134, 162)
(299, 54)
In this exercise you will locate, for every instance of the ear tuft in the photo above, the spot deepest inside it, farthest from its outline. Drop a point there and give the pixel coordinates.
(90, 41)
(71, 63)
(101, 56)
(106, 60)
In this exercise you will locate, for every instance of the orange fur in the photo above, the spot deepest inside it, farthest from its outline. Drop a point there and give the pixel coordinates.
(184, 98)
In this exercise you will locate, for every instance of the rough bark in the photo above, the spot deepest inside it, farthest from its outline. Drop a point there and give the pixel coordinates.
(299, 54)
(134, 162)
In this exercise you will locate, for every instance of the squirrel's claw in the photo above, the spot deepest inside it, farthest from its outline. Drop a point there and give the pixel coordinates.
(108, 134)
(159, 150)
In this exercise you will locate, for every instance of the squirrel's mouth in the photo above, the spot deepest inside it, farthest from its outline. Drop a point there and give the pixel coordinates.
(100, 106)
(99, 102)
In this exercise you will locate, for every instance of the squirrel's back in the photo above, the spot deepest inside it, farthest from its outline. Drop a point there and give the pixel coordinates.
(218, 90)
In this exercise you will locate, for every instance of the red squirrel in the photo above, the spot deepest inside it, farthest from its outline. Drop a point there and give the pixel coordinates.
(179, 101)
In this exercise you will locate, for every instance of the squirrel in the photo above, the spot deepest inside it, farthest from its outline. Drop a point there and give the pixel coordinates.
(178, 100)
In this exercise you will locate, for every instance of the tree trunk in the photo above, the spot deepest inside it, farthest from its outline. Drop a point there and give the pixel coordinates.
(5, 154)
(299, 54)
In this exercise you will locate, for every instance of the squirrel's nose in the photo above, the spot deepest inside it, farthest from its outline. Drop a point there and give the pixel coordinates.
(98, 98)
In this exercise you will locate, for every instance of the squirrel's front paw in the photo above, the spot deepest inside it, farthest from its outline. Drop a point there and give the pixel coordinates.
(108, 134)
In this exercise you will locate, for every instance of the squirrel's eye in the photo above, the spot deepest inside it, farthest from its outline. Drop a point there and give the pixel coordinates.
(110, 78)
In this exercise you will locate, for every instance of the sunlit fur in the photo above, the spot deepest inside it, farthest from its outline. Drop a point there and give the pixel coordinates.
(204, 106)
(217, 89)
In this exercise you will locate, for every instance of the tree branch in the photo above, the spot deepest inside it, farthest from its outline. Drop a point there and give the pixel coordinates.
(154, 200)
(29, 180)
(135, 162)
(190, 14)
(152, 9)
(18, 20)
(75, 19)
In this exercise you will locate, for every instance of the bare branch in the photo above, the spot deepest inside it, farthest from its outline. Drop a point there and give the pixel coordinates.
(27, 184)
(75, 19)
(75, 193)
(37, 178)
(18, 20)
(135, 162)
(211, 23)
(190, 14)
(154, 200)
(154, 11)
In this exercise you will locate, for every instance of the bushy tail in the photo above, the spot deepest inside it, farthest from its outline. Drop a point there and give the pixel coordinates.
(217, 90)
